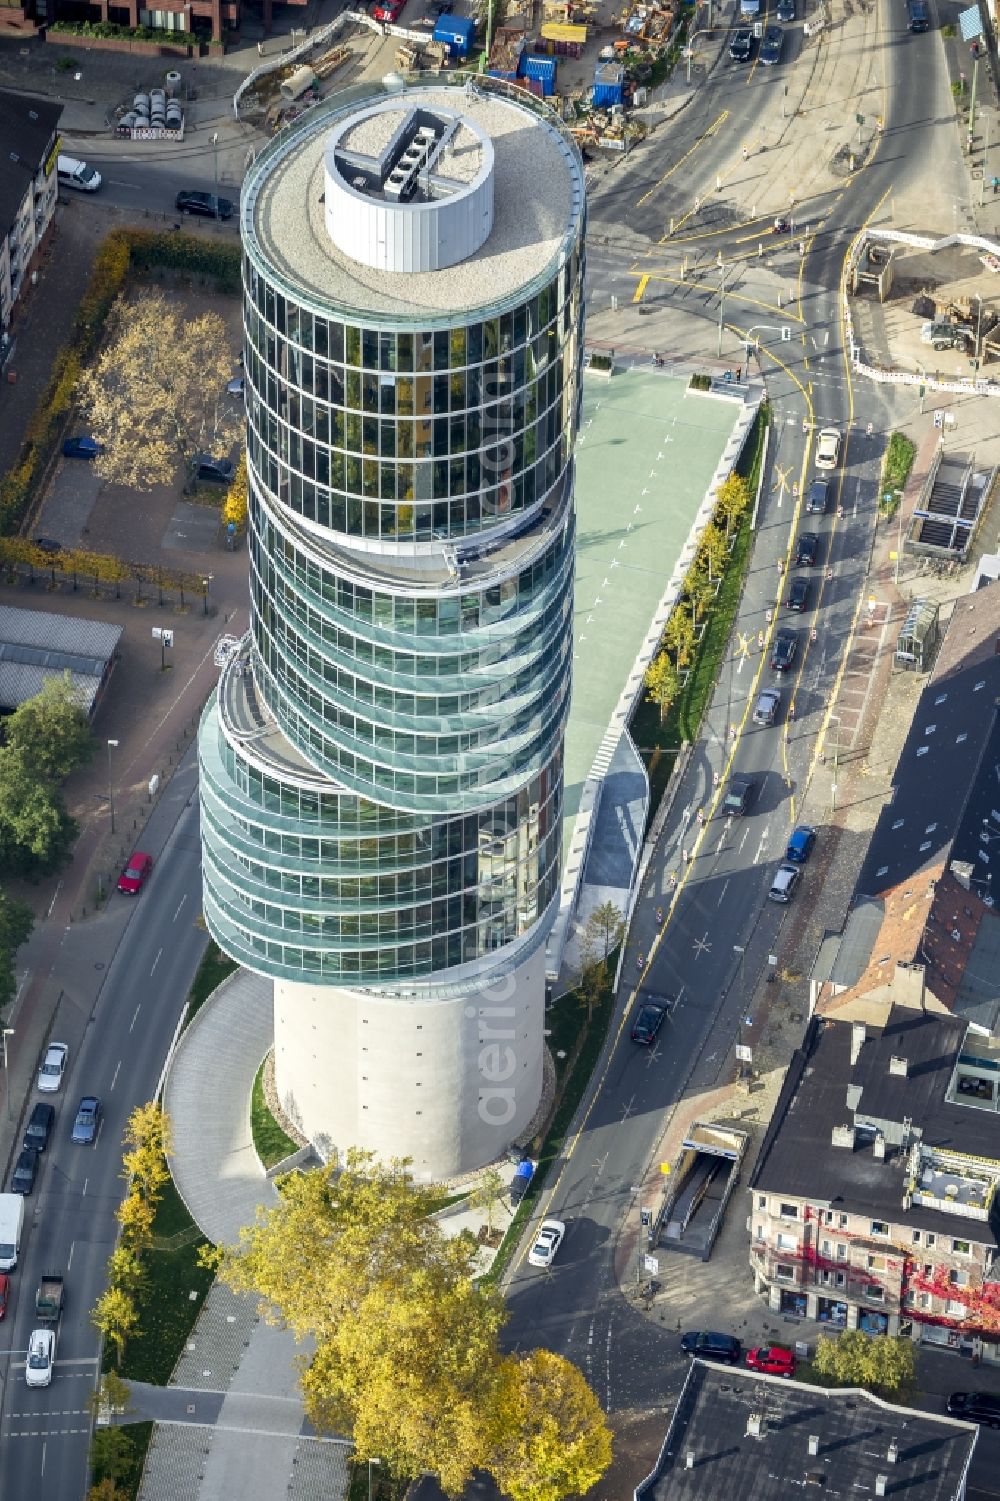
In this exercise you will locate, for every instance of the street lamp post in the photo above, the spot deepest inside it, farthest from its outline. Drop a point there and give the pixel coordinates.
(7, 1032)
(835, 719)
(979, 324)
(112, 745)
(722, 303)
(370, 1463)
(206, 585)
(215, 153)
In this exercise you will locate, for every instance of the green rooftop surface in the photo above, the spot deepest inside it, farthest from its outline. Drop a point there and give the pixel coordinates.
(647, 451)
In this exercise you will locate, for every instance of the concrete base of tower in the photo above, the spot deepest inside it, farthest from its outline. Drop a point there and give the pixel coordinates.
(447, 1080)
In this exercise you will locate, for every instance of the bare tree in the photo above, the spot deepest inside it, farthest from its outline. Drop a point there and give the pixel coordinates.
(603, 931)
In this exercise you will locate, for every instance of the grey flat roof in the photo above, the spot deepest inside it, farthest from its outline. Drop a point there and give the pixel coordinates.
(941, 757)
(798, 1158)
(854, 1430)
(978, 996)
(538, 197)
(857, 942)
(38, 644)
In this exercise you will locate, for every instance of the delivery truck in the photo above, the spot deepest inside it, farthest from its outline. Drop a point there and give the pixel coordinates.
(11, 1225)
(49, 1299)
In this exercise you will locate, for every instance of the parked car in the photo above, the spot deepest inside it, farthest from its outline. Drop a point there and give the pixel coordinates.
(22, 1179)
(547, 1243)
(710, 1346)
(770, 47)
(204, 204)
(73, 173)
(765, 710)
(237, 386)
(975, 1407)
(389, 11)
(41, 1357)
(798, 594)
(771, 1360)
(738, 795)
(133, 878)
(816, 497)
(4, 1293)
(36, 1132)
(786, 11)
(806, 549)
(647, 1023)
(786, 878)
(50, 1075)
(741, 46)
(800, 844)
(827, 448)
(786, 644)
(46, 544)
(82, 447)
(216, 471)
(87, 1121)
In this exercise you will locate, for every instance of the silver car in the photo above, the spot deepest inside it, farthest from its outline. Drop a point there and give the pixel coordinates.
(765, 710)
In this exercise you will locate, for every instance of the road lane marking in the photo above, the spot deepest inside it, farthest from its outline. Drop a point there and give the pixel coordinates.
(137, 1010)
(55, 896)
(155, 963)
(701, 946)
(722, 893)
(681, 160)
(746, 836)
(114, 1079)
(641, 289)
(760, 847)
(179, 906)
(69, 1263)
(84, 1193)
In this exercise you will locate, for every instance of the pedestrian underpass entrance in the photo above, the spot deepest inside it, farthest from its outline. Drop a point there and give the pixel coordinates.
(699, 1186)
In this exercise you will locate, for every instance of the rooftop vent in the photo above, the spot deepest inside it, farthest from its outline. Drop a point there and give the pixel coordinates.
(814, 1444)
(898, 1066)
(878, 1147)
(881, 1485)
(893, 1454)
(755, 1425)
(842, 1136)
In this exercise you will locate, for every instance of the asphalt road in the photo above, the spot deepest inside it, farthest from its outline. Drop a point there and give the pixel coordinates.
(69, 1224)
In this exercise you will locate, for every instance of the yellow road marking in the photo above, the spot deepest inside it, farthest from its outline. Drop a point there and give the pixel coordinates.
(641, 288)
(681, 160)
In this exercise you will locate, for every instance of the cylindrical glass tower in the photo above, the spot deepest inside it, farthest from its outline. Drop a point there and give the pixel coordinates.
(381, 766)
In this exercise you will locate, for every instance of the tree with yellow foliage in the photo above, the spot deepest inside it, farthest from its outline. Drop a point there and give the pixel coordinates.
(553, 1439)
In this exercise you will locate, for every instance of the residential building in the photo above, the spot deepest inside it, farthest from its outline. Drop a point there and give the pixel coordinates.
(28, 191)
(382, 765)
(874, 1199)
(742, 1436)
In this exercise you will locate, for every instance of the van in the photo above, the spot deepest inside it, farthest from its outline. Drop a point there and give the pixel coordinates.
(76, 174)
(11, 1225)
(917, 18)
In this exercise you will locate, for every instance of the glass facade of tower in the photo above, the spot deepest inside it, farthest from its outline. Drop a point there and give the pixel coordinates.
(381, 766)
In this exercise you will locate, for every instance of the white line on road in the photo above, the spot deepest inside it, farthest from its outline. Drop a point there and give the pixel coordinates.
(44, 1447)
(722, 893)
(69, 1263)
(114, 1079)
(55, 896)
(84, 1193)
(137, 1010)
(746, 836)
(760, 847)
(155, 963)
(179, 906)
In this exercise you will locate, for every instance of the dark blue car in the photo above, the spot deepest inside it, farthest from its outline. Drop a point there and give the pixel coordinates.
(800, 844)
(81, 448)
(88, 1118)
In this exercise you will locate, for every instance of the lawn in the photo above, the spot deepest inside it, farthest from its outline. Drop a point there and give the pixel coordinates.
(896, 466)
(270, 1142)
(167, 1310)
(213, 969)
(658, 741)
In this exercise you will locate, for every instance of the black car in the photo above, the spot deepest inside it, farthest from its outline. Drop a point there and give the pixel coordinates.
(738, 795)
(786, 10)
(204, 204)
(806, 550)
(23, 1177)
(798, 594)
(36, 1132)
(816, 497)
(710, 1346)
(786, 644)
(741, 46)
(770, 47)
(47, 544)
(975, 1407)
(216, 471)
(648, 1021)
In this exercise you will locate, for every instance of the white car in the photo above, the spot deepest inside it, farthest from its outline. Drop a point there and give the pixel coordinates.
(827, 448)
(50, 1075)
(550, 1236)
(41, 1357)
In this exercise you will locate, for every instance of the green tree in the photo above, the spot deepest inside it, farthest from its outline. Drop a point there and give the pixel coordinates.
(553, 1439)
(16, 923)
(679, 635)
(111, 1454)
(663, 683)
(594, 982)
(115, 1316)
(603, 931)
(36, 831)
(882, 1363)
(732, 501)
(489, 1193)
(52, 731)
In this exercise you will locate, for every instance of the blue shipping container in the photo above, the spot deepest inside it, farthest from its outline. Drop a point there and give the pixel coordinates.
(541, 69)
(609, 85)
(457, 32)
(504, 73)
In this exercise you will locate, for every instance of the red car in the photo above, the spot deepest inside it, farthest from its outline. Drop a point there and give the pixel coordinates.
(389, 11)
(771, 1360)
(4, 1288)
(133, 877)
